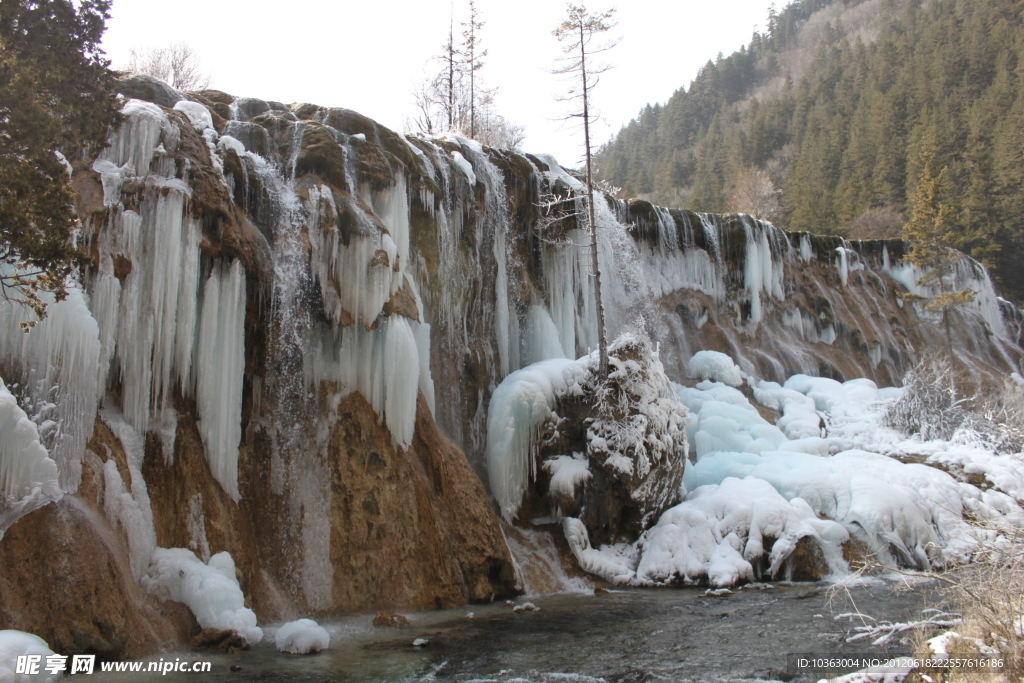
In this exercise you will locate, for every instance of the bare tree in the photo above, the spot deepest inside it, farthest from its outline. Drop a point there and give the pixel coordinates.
(177, 65)
(754, 193)
(578, 31)
(455, 98)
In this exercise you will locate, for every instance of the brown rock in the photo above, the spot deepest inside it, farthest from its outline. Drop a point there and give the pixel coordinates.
(122, 267)
(390, 620)
(807, 561)
(600, 591)
(65, 577)
(403, 303)
(408, 527)
(214, 640)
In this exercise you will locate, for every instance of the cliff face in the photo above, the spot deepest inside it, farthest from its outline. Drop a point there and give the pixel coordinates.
(299, 317)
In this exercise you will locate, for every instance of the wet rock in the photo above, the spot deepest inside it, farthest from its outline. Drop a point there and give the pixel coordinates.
(150, 89)
(248, 108)
(390, 620)
(65, 577)
(807, 563)
(215, 640)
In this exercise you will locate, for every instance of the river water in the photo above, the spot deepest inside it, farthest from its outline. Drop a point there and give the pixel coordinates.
(630, 636)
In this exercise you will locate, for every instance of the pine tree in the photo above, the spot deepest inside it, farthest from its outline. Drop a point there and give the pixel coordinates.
(930, 228)
(56, 95)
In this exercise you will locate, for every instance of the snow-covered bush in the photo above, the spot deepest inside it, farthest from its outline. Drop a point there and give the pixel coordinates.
(932, 407)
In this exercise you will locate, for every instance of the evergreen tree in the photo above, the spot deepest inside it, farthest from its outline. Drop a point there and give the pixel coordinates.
(57, 99)
(929, 230)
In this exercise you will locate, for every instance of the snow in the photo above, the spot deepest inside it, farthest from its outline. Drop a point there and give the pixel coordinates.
(227, 142)
(824, 472)
(302, 637)
(714, 366)
(465, 167)
(15, 643)
(567, 472)
(210, 591)
(28, 477)
(198, 115)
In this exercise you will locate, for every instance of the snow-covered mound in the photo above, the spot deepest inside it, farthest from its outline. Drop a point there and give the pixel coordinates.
(302, 637)
(211, 590)
(721, 529)
(823, 474)
(714, 366)
(15, 643)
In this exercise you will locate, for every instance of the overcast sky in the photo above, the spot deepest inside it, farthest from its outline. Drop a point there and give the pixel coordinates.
(369, 56)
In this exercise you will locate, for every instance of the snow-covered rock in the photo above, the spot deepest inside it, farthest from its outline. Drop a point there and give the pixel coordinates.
(302, 637)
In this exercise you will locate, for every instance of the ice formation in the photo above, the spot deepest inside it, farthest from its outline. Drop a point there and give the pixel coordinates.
(721, 529)
(16, 643)
(54, 366)
(752, 481)
(126, 504)
(28, 477)
(210, 590)
(302, 637)
(714, 366)
(519, 406)
(160, 316)
(219, 371)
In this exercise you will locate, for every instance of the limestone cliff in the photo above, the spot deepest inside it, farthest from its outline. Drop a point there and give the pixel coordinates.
(299, 317)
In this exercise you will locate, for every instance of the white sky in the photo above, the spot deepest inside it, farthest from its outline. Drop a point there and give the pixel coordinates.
(369, 55)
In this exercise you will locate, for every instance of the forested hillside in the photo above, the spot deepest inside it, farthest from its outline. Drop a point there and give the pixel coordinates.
(829, 119)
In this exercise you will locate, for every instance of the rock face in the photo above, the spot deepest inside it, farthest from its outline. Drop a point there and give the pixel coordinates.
(65, 578)
(300, 318)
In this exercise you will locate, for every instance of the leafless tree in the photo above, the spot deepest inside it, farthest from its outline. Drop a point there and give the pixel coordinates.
(455, 98)
(754, 193)
(177, 65)
(577, 32)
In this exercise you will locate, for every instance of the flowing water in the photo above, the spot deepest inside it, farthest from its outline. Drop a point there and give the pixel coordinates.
(629, 635)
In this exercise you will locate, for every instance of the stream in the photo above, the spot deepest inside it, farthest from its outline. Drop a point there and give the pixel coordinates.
(626, 635)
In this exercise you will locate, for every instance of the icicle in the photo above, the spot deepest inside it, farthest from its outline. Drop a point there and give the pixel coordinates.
(128, 505)
(56, 367)
(220, 370)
